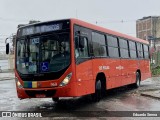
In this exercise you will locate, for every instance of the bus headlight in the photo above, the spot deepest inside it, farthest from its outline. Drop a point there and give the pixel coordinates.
(66, 80)
(18, 83)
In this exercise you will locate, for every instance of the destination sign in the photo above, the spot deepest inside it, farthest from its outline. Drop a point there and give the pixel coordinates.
(44, 27)
(40, 29)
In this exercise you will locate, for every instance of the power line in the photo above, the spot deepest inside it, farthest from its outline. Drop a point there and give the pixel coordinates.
(112, 22)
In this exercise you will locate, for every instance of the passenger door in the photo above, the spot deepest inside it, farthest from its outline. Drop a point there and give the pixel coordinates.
(84, 74)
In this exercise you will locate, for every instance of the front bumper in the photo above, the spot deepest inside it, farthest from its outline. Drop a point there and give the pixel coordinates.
(65, 91)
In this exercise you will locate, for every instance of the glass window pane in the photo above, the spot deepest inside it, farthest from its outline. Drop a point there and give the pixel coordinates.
(140, 54)
(140, 50)
(113, 52)
(124, 53)
(112, 41)
(55, 52)
(132, 45)
(139, 47)
(145, 48)
(123, 43)
(82, 52)
(133, 54)
(146, 55)
(99, 44)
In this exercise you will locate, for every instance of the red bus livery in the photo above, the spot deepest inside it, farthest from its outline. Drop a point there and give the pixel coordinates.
(71, 58)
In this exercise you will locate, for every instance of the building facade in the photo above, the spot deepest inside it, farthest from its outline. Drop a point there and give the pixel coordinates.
(148, 28)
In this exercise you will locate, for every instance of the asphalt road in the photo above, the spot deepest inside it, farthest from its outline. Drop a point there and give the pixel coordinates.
(121, 99)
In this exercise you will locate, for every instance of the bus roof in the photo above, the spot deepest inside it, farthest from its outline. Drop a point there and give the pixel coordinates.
(95, 27)
(44, 22)
(105, 30)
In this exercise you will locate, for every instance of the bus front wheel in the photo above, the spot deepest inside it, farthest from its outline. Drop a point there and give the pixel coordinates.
(98, 91)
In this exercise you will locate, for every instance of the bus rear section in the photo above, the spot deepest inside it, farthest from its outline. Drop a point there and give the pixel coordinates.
(107, 59)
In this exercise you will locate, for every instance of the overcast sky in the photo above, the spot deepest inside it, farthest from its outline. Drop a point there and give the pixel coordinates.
(119, 15)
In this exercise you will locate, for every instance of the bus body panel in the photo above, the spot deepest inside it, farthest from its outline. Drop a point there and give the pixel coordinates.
(118, 71)
(108, 67)
(147, 73)
(84, 77)
(129, 68)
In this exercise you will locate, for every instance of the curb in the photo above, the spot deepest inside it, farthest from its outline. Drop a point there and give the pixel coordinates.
(151, 96)
(148, 90)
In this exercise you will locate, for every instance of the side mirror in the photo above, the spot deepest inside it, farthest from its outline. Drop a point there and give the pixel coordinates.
(7, 48)
(81, 42)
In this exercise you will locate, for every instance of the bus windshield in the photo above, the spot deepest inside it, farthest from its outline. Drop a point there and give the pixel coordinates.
(49, 53)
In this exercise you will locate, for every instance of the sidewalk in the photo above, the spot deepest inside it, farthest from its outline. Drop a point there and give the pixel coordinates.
(7, 75)
(154, 90)
(152, 94)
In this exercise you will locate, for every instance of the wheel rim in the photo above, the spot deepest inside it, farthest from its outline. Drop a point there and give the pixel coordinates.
(138, 80)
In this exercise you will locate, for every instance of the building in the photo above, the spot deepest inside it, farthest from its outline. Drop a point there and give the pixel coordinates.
(148, 28)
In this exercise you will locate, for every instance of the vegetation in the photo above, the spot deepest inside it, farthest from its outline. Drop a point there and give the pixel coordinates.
(156, 70)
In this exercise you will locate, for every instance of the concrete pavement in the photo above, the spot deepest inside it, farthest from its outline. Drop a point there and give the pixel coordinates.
(7, 75)
(118, 100)
(152, 91)
(153, 94)
(153, 88)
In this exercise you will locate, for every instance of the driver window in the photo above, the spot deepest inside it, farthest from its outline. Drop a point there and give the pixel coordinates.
(81, 52)
(76, 39)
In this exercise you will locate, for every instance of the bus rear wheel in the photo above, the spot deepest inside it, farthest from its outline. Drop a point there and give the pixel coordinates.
(98, 92)
(138, 80)
(55, 99)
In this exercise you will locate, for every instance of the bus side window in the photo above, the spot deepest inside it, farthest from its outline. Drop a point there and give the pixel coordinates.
(113, 46)
(139, 50)
(123, 48)
(146, 52)
(132, 48)
(99, 45)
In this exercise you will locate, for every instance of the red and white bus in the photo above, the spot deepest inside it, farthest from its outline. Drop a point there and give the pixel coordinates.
(71, 58)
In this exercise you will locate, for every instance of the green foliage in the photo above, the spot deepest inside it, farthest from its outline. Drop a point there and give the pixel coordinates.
(156, 70)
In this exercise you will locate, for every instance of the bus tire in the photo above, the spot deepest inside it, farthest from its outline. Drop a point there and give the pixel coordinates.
(138, 80)
(55, 99)
(98, 92)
